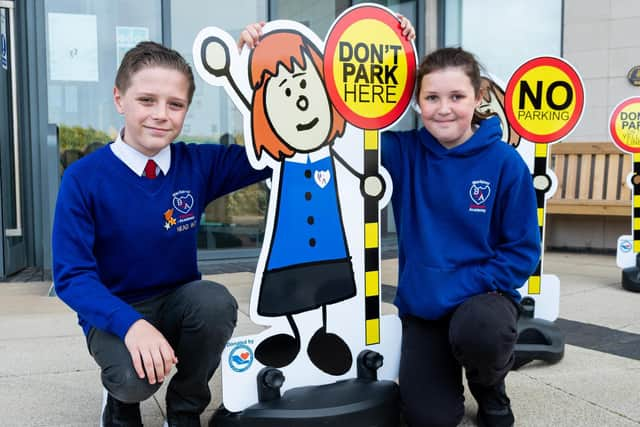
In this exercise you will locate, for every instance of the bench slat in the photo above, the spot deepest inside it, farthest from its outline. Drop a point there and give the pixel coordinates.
(590, 207)
(598, 177)
(612, 177)
(585, 173)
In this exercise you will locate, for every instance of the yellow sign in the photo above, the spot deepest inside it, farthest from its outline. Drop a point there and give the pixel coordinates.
(370, 68)
(624, 125)
(544, 99)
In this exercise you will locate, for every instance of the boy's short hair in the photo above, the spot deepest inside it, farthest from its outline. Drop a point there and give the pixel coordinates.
(151, 54)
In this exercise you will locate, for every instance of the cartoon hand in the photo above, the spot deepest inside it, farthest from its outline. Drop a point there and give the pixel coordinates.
(407, 27)
(215, 56)
(373, 186)
(250, 36)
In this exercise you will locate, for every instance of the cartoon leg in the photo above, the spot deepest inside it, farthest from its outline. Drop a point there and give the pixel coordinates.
(279, 350)
(328, 351)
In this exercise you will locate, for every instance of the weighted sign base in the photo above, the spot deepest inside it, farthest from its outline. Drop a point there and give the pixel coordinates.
(631, 278)
(358, 402)
(538, 339)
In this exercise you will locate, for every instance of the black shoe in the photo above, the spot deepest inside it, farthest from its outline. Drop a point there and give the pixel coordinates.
(494, 407)
(278, 351)
(182, 420)
(119, 414)
(329, 353)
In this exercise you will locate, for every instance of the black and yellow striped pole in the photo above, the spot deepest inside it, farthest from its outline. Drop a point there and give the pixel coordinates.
(635, 218)
(542, 183)
(371, 243)
(369, 69)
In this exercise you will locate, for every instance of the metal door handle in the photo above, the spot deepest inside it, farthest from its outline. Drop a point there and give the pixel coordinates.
(17, 231)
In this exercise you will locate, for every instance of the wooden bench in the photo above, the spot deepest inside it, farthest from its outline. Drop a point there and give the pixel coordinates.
(591, 179)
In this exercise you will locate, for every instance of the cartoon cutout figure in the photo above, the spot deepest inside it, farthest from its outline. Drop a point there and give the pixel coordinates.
(294, 125)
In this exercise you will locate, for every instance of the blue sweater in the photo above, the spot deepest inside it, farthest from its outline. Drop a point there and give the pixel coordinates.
(466, 219)
(119, 238)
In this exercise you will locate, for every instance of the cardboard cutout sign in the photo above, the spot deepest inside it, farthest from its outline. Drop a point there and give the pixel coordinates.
(624, 130)
(311, 283)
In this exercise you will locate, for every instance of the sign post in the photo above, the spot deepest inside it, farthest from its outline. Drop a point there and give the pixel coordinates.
(544, 101)
(370, 73)
(624, 130)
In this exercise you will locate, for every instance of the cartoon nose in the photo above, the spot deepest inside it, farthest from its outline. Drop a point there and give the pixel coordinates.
(302, 103)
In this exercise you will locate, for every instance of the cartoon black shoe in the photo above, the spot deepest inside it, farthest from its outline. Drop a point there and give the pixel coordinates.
(329, 353)
(279, 350)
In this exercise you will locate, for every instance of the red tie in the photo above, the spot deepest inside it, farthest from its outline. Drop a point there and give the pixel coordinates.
(150, 169)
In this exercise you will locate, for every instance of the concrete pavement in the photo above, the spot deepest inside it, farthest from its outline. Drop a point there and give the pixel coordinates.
(47, 377)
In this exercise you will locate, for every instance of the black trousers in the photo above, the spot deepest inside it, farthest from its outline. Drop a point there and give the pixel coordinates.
(197, 319)
(478, 336)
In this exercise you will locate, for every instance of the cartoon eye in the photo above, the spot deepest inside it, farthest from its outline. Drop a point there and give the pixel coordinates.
(303, 83)
(287, 92)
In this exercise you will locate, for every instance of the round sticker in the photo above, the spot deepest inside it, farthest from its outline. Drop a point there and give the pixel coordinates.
(369, 67)
(544, 99)
(624, 125)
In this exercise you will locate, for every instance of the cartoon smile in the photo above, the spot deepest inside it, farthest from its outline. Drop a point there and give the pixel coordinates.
(307, 126)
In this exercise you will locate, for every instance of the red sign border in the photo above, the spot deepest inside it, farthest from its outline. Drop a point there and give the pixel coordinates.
(612, 124)
(339, 27)
(550, 61)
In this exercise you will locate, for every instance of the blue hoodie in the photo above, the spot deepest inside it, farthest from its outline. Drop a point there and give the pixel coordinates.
(466, 218)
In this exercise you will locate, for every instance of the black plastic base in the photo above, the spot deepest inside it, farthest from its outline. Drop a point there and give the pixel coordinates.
(538, 339)
(349, 403)
(631, 279)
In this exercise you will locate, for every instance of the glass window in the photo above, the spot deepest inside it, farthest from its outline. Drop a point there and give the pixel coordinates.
(85, 43)
(235, 221)
(500, 34)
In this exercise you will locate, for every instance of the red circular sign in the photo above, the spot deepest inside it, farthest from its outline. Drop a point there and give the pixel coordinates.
(369, 67)
(544, 99)
(624, 125)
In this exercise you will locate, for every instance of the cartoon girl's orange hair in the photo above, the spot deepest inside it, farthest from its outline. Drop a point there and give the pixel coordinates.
(281, 48)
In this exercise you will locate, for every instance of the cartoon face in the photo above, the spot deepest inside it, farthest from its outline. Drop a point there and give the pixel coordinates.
(298, 107)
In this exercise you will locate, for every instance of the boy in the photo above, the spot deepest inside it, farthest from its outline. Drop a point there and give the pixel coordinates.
(124, 245)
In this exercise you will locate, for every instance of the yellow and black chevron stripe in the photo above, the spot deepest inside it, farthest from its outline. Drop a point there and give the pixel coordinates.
(539, 169)
(371, 244)
(635, 183)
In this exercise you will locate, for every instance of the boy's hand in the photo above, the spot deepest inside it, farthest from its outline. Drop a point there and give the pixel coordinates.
(250, 36)
(407, 28)
(150, 351)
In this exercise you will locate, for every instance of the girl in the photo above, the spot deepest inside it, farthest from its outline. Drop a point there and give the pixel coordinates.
(465, 211)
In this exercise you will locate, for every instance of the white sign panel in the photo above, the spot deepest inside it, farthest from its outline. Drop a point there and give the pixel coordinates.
(73, 47)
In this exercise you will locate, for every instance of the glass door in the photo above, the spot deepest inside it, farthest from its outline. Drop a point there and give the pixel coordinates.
(13, 256)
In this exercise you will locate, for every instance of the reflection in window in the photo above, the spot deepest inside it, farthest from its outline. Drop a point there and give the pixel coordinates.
(234, 221)
(503, 38)
(81, 69)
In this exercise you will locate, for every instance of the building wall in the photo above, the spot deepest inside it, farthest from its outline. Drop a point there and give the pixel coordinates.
(600, 39)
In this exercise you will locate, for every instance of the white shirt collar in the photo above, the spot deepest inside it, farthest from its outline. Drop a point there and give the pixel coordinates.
(313, 156)
(136, 160)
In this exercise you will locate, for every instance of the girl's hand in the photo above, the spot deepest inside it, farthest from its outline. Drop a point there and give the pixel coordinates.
(250, 36)
(407, 28)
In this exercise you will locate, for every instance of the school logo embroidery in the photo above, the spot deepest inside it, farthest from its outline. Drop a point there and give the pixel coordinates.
(180, 213)
(479, 193)
(240, 358)
(183, 202)
(322, 178)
